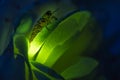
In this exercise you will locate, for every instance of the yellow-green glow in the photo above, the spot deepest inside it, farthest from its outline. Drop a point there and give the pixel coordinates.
(63, 32)
(70, 50)
(34, 47)
(40, 38)
(57, 52)
(60, 48)
(37, 42)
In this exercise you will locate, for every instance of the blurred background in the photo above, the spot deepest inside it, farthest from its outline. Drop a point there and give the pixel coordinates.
(106, 13)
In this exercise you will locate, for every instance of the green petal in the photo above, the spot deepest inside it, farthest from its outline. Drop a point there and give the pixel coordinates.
(65, 30)
(39, 39)
(20, 41)
(24, 26)
(82, 68)
(21, 45)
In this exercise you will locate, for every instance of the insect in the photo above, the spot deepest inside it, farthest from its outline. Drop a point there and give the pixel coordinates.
(44, 21)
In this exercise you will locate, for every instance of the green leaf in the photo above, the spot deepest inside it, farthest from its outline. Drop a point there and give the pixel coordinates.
(21, 45)
(82, 68)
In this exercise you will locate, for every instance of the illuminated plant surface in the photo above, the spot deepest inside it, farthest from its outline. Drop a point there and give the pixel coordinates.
(59, 52)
